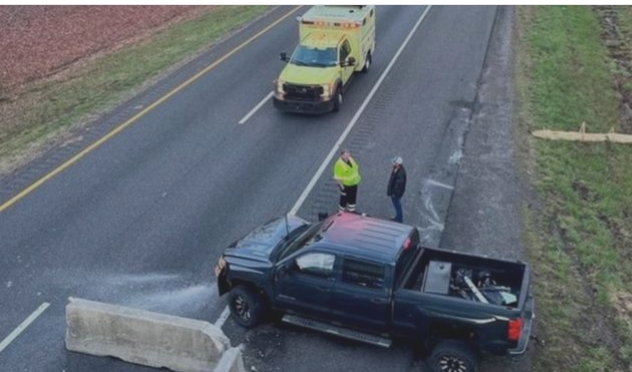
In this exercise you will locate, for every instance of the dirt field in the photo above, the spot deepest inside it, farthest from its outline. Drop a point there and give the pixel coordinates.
(40, 41)
(44, 44)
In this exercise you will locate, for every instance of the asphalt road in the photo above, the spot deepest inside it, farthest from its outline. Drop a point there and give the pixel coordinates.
(141, 220)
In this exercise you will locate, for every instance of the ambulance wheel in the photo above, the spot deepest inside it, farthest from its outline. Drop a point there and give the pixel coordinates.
(337, 100)
(367, 63)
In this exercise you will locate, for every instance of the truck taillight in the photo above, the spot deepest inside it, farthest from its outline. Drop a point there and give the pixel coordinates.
(407, 243)
(514, 329)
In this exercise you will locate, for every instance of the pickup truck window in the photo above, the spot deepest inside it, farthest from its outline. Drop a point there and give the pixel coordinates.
(281, 250)
(321, 264)
(297, 242)
(363, 274)
(305, 56)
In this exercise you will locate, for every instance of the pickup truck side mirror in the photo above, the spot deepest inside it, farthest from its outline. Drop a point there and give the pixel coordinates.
(352, 61)
(283, 56)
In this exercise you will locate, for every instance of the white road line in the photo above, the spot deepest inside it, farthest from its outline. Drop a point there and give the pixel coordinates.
(23, 326)
(220, 322)
(222, 318)
(252, 112)
(351, 124)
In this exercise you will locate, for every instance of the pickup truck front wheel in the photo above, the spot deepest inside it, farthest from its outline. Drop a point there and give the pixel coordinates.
(246, 306)
(453, 356)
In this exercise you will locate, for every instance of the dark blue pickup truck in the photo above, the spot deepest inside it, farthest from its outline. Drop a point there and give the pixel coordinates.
(370, 280)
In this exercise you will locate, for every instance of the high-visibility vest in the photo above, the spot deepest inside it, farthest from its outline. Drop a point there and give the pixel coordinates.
(348, 175)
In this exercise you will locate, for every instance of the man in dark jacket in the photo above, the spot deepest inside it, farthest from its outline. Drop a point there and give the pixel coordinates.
(396, 187)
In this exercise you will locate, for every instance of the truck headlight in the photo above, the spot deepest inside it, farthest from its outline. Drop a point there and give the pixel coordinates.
(326, 91)
(279, 87)
(221, 264)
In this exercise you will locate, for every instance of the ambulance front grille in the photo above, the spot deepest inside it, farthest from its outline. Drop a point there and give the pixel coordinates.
(303, 92)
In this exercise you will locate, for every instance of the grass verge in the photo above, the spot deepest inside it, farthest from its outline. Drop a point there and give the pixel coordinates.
(47, 108)
(580, 234)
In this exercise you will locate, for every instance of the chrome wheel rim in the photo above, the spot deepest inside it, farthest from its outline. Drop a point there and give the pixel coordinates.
(449, 363)
(242, 309)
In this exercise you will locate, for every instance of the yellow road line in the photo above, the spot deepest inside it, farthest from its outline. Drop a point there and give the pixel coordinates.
(118, 129)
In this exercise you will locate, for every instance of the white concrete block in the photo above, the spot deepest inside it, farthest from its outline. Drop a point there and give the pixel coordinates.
(232, 361)
(143, 337)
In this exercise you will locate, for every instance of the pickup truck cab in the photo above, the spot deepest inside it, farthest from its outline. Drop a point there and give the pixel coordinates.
(370, 280)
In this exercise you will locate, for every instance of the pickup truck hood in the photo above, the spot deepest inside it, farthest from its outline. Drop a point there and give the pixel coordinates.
(308, 75)
(259, 243)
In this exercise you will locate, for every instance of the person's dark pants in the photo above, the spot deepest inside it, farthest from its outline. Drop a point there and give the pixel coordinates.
(348, 196)
(397, 204)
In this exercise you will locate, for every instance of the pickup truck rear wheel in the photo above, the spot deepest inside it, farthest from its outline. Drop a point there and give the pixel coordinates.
(453, 356)
(246, 306)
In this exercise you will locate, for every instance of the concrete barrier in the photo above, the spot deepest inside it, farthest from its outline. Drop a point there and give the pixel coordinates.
(231, 361)
(143, 337)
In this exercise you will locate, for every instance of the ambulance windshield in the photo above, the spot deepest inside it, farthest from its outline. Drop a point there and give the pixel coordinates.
(314, 57)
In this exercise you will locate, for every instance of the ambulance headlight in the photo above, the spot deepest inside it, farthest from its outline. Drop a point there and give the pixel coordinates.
(279, 86)
(326, 91)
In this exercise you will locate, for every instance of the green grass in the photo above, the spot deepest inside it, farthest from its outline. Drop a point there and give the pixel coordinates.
(58, 104)
(580, 236)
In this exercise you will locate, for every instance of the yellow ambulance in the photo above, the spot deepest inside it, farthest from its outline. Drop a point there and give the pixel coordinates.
(334, 43)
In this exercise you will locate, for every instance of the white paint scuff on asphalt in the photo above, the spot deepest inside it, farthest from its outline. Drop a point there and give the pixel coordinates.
(439, 184)
(16, 332)
(434, 221)
(456, 156)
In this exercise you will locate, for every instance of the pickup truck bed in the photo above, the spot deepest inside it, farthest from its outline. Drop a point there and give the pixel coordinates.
(437, 270)
(436, 296)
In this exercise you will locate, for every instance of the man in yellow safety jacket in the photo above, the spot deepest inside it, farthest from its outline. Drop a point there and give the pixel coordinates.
(346, 173)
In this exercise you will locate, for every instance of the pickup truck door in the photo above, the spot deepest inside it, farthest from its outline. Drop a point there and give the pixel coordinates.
(362, 297)
(303, 284)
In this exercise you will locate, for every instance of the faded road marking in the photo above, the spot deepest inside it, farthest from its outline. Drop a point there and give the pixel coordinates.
(16, 332)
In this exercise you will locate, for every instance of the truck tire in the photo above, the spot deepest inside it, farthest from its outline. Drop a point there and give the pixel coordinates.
(453, 356)
(246, 306)
(367, 63)
(337, 100)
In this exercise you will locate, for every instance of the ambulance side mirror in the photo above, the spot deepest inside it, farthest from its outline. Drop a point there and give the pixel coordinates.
(283, 56)
(349, 62)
